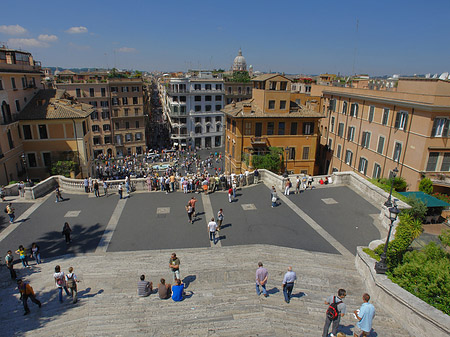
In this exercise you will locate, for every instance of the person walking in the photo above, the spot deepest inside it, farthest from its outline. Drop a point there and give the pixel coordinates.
(9, 260)
(219, 219)
(365, 316)
(174, 265)
(66, 232)
(58, 195)
(127, 184)
(35, 253)
(60, 282)
(212, 226)
(341, 309)
(230, 194)
(192, 203)
(288, 284)
(26, 291)
(189, 211)
(273, 196)
(22, 252)
(120, 190)
(255, 176)
(10, 210)
(71, 282)
(261, 279)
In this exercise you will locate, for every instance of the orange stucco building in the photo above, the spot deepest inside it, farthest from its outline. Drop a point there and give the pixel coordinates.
(373, 131)
(55, 127)
(273, 117)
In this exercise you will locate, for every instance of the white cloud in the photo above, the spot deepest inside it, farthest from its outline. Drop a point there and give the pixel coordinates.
(12, 30)
(77, 30)
(20, 43)
(48, 38)
(126, 50)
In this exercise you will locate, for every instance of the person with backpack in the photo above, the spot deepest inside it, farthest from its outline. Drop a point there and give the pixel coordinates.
(60, 282)
(26, 291)
(71, 282)
(336, 310)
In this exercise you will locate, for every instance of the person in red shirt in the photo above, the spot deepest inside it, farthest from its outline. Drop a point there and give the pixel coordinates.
(230, 194)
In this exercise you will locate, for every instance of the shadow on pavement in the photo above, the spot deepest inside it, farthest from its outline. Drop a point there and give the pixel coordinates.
(188, 280)
(272, 291)
(52, 244)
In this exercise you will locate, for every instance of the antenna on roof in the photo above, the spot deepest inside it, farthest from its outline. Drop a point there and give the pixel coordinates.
(356, 45)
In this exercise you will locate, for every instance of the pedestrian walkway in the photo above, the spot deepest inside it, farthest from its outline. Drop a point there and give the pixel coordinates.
(223, 300)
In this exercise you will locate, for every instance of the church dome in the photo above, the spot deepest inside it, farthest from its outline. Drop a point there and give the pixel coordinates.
(239, 63)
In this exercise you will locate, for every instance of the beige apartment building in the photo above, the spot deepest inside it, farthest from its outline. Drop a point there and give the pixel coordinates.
(20, 80)
(371, 132)
(120, 110)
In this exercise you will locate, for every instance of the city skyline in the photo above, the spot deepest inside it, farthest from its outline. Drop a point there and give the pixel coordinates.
(350, 37)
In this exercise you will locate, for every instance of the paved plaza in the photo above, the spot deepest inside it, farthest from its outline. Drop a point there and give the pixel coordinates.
(155, 220)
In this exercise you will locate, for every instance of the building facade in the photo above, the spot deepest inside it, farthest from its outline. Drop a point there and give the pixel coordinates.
(272, 118)
(192, 106)
(121, 111)
(371, 132)
(20, 80)
(56, 127)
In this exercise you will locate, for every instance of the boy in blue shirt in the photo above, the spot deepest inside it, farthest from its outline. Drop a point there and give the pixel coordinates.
(365, 317)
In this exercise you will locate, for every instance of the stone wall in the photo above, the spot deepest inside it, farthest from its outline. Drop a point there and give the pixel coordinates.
(416, 316)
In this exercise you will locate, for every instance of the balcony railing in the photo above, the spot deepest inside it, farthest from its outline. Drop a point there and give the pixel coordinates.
(262, 141)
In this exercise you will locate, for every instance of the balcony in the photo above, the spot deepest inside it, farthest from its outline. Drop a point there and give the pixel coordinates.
(259, 141)
(442, 179)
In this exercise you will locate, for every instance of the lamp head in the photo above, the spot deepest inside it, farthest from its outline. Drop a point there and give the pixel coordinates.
(394, 212)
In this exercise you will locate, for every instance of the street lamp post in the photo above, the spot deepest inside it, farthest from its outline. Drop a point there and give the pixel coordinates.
(24, 162)
(285, 174)
(381, 266)
(388, 203)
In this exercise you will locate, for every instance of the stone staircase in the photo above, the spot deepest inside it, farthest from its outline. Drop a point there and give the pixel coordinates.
(223, 301)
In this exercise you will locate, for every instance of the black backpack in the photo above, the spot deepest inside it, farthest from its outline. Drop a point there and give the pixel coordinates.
(332, 311)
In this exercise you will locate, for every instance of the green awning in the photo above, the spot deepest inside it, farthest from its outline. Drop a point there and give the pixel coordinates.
(429, 200)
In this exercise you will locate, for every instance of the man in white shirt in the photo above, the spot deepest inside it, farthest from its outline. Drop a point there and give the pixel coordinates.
(212, 226)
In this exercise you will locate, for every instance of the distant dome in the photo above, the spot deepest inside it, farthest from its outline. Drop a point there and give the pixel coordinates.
(239, 63)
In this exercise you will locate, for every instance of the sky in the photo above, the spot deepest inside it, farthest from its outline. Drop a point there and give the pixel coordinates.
(382, 37)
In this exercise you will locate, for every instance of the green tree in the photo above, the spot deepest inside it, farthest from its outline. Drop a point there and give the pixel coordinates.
(270, 161)
(426, 186)
(445, 237)
(418, 208)
(64, 167)
(426, 274)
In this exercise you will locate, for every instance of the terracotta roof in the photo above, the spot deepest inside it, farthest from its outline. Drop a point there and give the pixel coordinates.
(295, 111)
(265, 77)
(54, 104)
